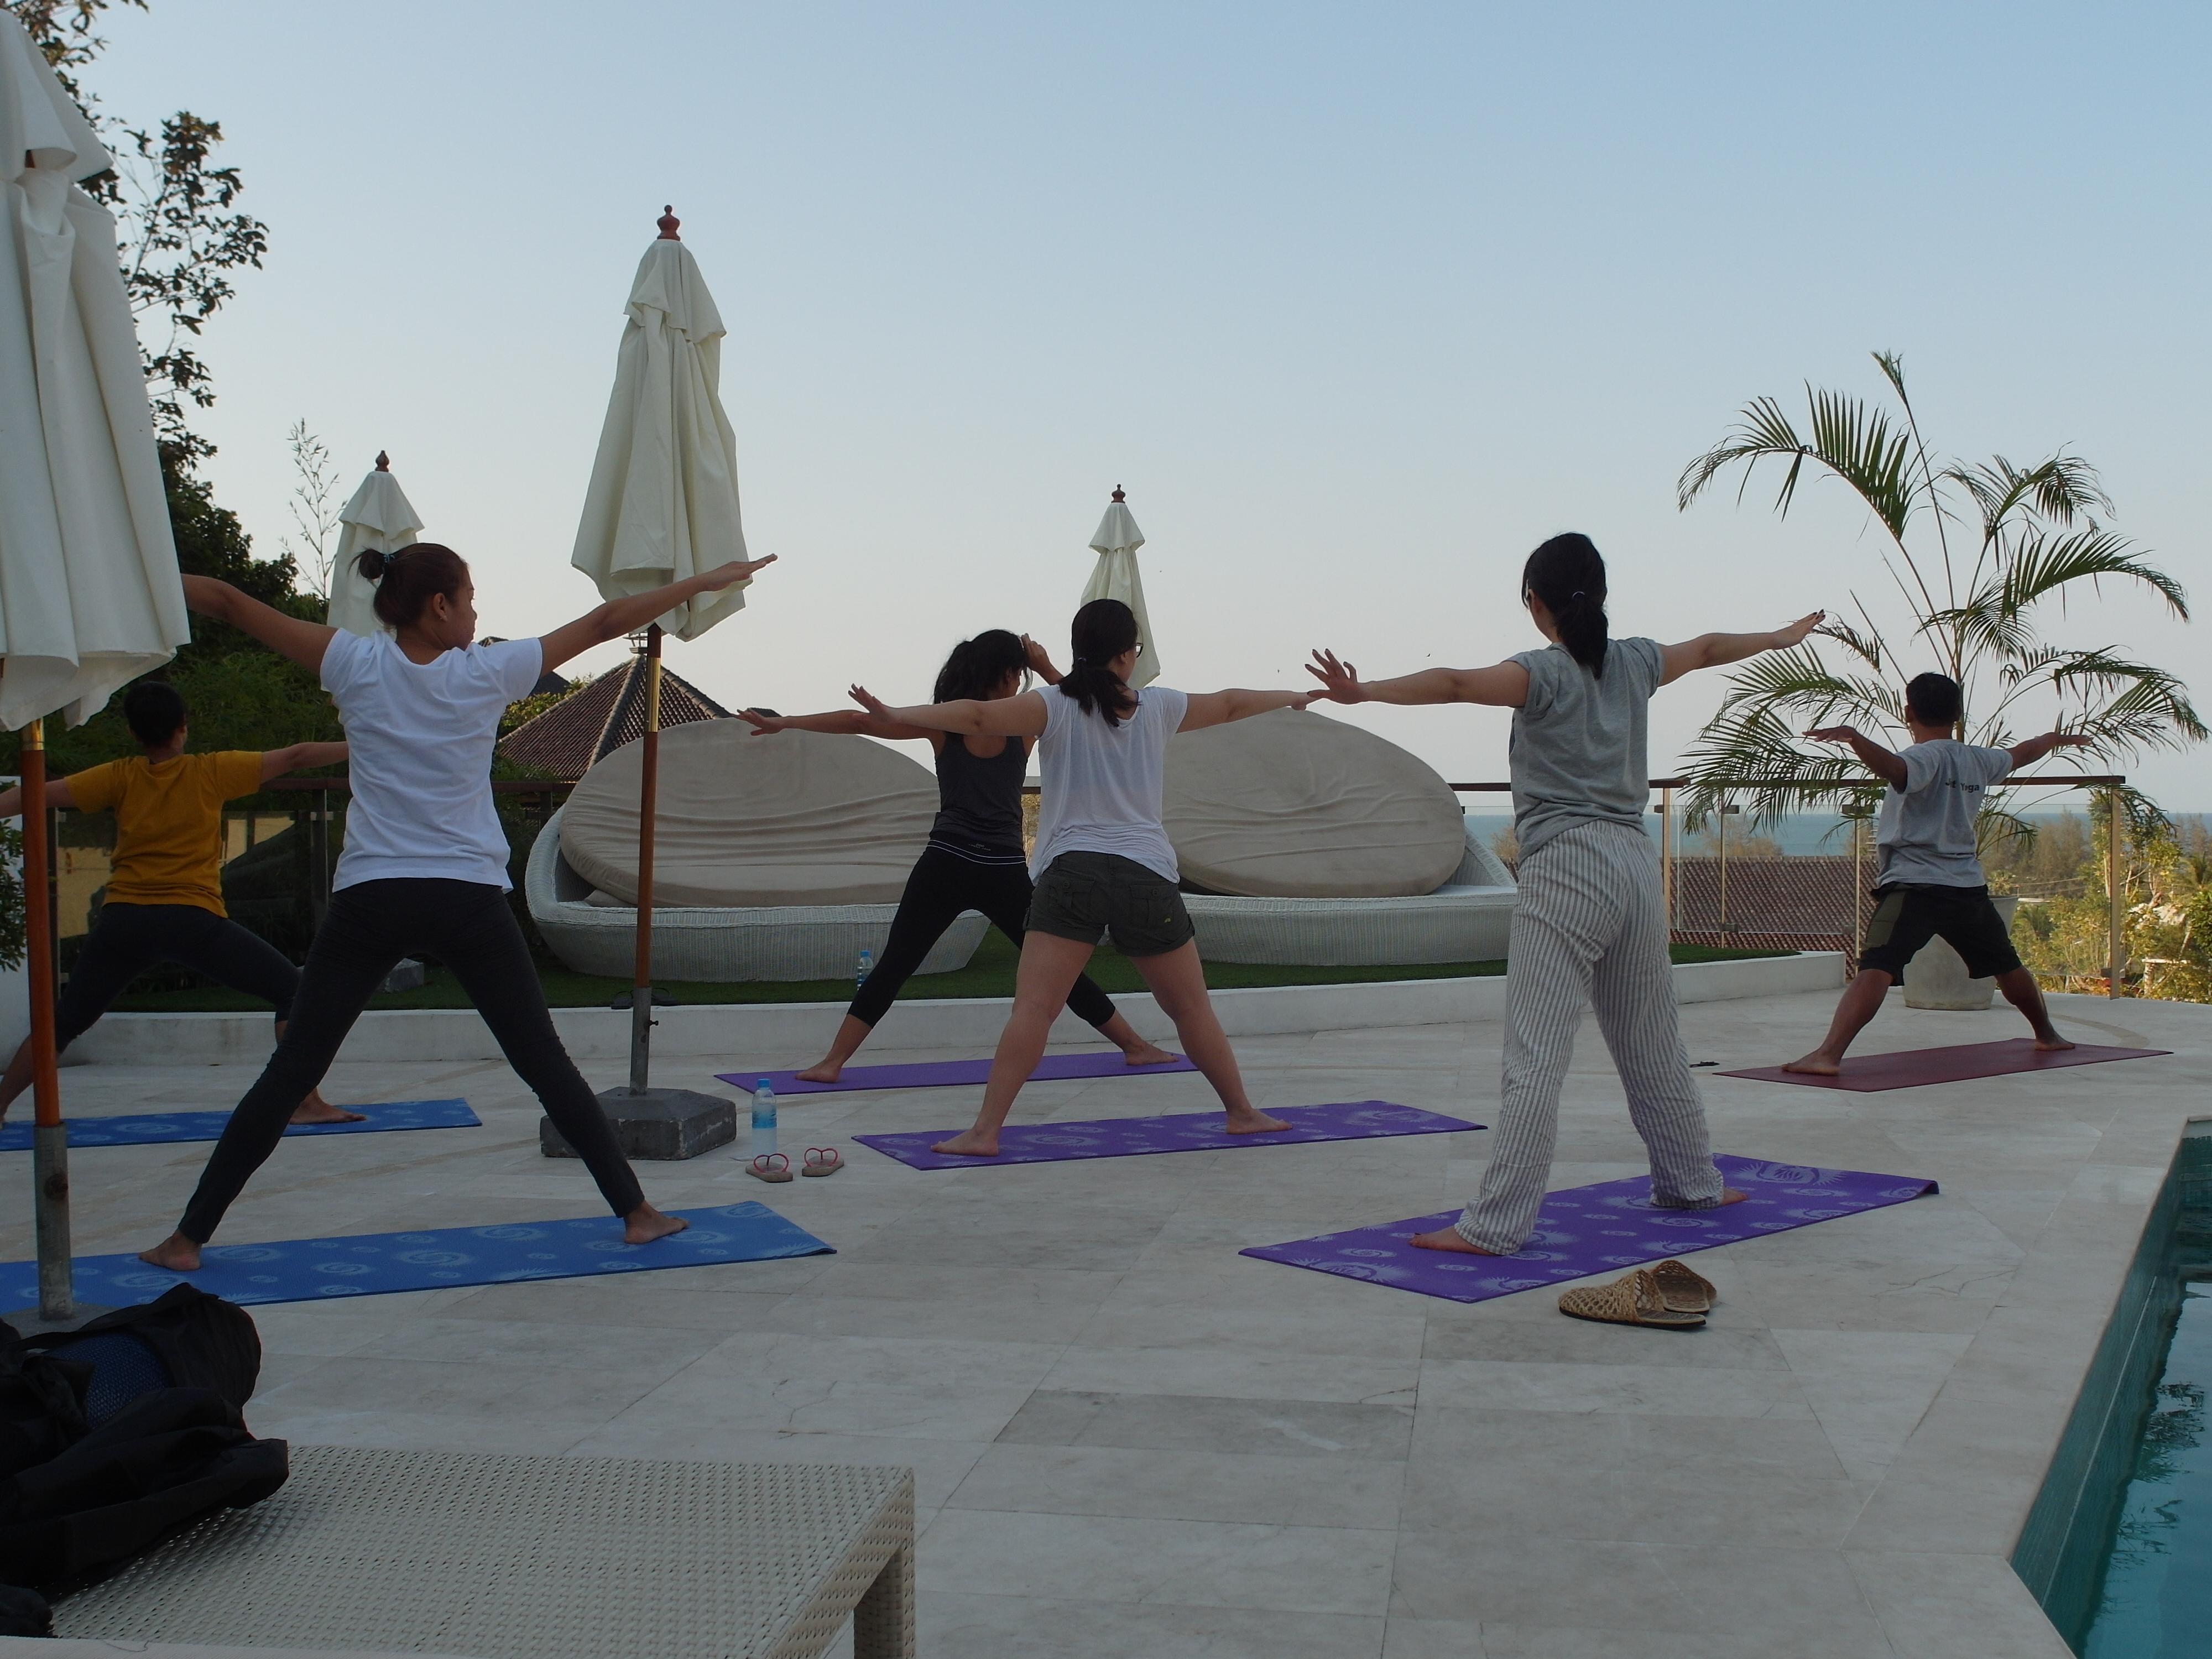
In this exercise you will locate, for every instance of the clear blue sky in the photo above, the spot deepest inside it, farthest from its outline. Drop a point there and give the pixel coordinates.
(1359, 303)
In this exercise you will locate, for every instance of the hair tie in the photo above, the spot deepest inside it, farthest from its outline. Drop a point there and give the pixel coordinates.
(1577, 594)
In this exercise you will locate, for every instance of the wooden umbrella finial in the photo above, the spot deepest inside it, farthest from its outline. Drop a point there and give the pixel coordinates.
(383, 462)
(668, 223)
(1118, 495)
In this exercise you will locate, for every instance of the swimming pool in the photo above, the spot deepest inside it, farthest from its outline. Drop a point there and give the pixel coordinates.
(2119, 1546)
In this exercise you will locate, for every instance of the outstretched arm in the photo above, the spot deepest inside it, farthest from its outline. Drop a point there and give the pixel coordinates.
(1885, 763)
(617, 617)
(276, 763)
(842, 723)
(304, 642)
(1206, 708)
(57, 796)
(1502, 686)
(1718, 650)
(1003, 717)
(2034, 749)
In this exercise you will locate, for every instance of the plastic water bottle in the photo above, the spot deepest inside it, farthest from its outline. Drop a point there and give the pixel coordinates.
(763, 1118)
(867, 966)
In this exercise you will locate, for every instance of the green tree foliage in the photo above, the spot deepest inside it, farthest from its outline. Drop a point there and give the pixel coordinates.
(2063, 931)
(1977, 556)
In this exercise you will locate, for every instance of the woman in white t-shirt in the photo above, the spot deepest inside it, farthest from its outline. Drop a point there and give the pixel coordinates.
(1103, 863)
(424, 866)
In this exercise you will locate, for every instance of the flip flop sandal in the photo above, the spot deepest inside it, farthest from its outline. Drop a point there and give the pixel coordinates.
(1632, 1299)
(1681, 1290)
(769, 1166)
(822, 1161)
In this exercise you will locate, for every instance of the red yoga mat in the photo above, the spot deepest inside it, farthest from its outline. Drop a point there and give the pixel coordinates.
(1914, 1068)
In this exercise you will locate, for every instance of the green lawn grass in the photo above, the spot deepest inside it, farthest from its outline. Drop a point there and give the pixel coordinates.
(989, 974)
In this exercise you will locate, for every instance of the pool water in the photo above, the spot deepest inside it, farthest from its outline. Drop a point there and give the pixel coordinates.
(2157, 1600)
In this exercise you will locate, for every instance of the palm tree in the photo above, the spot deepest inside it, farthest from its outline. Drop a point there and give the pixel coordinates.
(1976, 554)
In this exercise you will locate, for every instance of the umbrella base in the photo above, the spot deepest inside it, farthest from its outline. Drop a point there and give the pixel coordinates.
(28, 1322)
(661, 1124)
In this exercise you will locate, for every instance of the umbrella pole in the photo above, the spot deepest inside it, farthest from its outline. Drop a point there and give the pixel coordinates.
(640, 1014)
(49, 1135)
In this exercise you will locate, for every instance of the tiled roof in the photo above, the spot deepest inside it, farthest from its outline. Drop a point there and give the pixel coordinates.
(598, 719)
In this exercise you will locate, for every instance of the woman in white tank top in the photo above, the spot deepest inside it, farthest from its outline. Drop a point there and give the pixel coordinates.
(1103, 863)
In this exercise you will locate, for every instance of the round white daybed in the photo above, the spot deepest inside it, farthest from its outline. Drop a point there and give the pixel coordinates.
(1306, 840)
(778, 858)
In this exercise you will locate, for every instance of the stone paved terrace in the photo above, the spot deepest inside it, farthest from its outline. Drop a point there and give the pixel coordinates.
(1131, 1441)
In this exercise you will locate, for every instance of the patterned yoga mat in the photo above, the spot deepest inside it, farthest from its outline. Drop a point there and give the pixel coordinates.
(1180, 1132)
(1914, 1068)
(371, 1264)
(1610, 1226)
(147, 1128)
(952, 1074)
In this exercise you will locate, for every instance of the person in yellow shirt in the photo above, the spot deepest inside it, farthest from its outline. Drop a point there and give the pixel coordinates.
(164, 895)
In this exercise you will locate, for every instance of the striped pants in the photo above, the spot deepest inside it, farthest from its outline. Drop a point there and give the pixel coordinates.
(1590, 928)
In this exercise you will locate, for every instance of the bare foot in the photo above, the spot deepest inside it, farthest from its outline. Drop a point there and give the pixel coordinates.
(1816, 1064)
(1147, 1054)
(176, 1253)
(1448, 1238)
(644, 1223)
(1729, 1195)
(970, 1143)
(2052, 1044)
(315, 1109)
(828, 1070)
(1252, 1121)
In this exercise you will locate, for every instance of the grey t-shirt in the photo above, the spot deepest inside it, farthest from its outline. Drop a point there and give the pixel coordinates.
(1579, 741)
(1926, 835)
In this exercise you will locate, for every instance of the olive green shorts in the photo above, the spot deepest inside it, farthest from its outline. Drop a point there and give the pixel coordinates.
(1087, 895)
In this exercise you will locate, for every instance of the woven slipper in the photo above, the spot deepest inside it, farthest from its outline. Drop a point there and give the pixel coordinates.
(822, 1161)
(1681, 1290)
(769, 1166)
(1632, 1299)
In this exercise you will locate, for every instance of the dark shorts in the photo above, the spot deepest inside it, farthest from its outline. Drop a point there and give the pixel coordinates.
(1906, 918)
(1086, 895)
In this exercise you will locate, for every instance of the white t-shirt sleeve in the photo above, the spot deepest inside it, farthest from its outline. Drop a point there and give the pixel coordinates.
(1923, 765)
(1985, 766)
(516, 666)
(342, 661)
(1174, 705)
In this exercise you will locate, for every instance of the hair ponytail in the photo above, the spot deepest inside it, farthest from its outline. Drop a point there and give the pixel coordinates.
(1568, 575)
(1103, 630)
(408, 578)
(977, 667)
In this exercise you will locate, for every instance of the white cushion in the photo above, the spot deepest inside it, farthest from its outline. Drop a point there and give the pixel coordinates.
(1299, 806)
(797, 819)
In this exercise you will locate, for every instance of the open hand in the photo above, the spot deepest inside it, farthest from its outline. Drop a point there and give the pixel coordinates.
(1833, 734)
(764, 725)
(736, 571)
(1339, 680)
(1794, 633)
(869, 701)
(2071, 740)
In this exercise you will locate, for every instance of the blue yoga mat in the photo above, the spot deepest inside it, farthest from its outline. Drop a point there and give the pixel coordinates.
(146, 1129)
(373, 1264)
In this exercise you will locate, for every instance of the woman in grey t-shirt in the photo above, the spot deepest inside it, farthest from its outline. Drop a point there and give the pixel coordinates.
(1590, 926)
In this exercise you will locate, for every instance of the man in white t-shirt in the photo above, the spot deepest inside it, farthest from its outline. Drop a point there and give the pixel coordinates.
(1928, 877)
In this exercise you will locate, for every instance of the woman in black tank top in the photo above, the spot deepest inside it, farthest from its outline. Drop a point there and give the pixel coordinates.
(975, 860)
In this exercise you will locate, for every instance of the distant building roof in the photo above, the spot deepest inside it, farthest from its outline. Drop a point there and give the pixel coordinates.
(567, 738)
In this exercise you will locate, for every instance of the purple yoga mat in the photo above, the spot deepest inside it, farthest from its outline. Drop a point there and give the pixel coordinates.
(951, 1073)
(1914, 1068)
(1182, 1132)
(1594, 1229)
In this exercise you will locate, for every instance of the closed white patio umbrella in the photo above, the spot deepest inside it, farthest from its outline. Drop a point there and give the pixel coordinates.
(381, 516)
(1115, 577)
(662, 506)
(89, 594)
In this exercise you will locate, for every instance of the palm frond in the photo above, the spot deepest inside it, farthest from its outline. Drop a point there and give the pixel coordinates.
(1866, 646)
(2039, 566)
(1851, 440)
(2062, 490)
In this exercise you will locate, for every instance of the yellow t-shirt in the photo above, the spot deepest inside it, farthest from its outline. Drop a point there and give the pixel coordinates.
(168, 823)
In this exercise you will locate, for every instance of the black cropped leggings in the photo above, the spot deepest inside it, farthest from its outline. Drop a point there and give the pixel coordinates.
(467, 925)
(129, 938)
(943, 886)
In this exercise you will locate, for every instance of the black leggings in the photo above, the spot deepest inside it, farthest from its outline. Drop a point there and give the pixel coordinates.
(467, 925)
(129, 938)
(943, 886)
